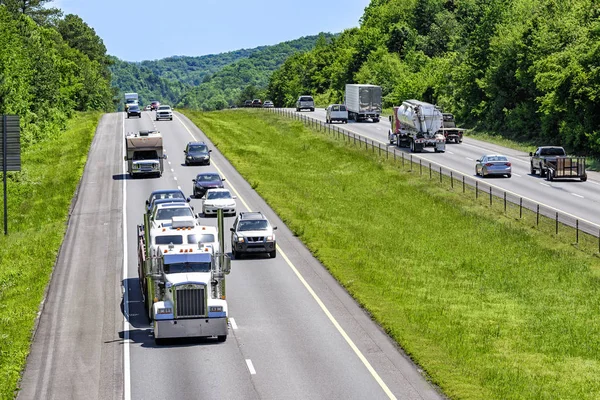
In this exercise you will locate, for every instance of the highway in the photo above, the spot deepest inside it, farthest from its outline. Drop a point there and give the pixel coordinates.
(294, 331)
(580, 200)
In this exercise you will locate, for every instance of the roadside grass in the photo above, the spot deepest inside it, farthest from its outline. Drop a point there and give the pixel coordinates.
(38, 204)
(490, 306)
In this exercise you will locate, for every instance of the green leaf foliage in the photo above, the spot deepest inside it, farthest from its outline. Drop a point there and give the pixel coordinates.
(523, 69)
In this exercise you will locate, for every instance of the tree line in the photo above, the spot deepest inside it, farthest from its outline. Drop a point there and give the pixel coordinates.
(524, 69)
(50, 66)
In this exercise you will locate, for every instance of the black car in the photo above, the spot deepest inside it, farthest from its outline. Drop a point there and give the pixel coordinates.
(135, 110)
(165, 196)
(205, 181)
(197, 153)
(248, 103)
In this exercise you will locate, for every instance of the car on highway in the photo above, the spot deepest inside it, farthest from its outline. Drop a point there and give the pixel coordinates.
(336, 112)
(205, 181)
(252, 233)
(218, 199)
(134, 110)
(493, 164)
(147, 108)
(305, 103)
(162, 214)
(268, 104)
(197, 153)
(154, 104)
(164, 112)
(248, 103)
(256, 103)
(165, 196)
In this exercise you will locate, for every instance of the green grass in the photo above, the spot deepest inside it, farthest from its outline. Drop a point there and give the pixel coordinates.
(491, 306)
(38, 203)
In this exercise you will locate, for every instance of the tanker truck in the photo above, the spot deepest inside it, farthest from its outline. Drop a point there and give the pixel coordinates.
(417, 125)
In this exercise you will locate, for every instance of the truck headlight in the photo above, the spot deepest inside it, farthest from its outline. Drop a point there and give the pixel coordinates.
(189, 157)
(215, 308)
(271, 238)
(241, 239)
(168, 310)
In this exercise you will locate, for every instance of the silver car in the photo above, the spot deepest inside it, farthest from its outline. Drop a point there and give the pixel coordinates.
(493, 164)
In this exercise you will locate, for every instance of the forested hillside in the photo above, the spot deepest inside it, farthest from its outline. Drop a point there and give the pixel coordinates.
(49, 67)
(208, 82)
(525, 69)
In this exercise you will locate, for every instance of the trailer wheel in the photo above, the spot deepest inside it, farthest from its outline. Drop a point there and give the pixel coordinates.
(584, 178)
(549, 175)
(221, 338)
(543, 172)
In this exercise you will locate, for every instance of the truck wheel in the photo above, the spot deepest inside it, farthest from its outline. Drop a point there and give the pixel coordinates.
(543, 172)
(375, 119)
(531, 169)
(549, 175)
(221, 338)
(312, 109)
(273, 254)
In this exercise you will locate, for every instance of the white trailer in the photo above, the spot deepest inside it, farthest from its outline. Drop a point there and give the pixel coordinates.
(363, 102)
(417, 125)
(145, 153)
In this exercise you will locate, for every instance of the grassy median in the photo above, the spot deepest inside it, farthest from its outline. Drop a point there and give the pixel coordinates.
(38, 204)
(490, 307)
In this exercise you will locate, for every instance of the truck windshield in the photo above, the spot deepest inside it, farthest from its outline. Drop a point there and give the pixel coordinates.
(169, 213)
(256, 225)
(204, 238)
(167, 239)
(554, 151)
(145, 155)
(187, 267)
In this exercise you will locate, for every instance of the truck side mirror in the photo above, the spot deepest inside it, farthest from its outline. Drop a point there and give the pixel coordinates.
(274, 228)
(390, 118)
(193, 180)
(530, 154)
(125, 158)
(232, 230)
(223, 179)
(164, 156)
(210, 151)
(147, 203)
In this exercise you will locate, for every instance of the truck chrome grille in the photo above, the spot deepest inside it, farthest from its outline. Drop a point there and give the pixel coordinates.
(256, 239)
(191, 302)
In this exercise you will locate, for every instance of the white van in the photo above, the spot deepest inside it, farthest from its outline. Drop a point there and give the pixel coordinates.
(336, 112)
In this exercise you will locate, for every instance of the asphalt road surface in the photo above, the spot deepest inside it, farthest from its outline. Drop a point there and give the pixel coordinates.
(294, 332)
(578, 199)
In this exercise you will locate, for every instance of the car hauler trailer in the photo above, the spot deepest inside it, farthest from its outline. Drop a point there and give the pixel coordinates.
(416, 124)
(183, 285)
(145, 153)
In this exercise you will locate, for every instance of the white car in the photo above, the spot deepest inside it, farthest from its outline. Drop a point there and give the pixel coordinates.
(164, 112)
(162, 214)
(216, 199)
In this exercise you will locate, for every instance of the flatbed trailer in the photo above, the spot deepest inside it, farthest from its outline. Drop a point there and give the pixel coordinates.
(566, 167)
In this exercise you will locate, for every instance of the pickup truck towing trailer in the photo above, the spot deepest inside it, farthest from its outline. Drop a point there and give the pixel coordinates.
(416, 124)
(183, 286)
(553, 163)
(145, 153)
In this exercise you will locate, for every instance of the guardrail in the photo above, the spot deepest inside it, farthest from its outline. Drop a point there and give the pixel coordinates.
(550, 220)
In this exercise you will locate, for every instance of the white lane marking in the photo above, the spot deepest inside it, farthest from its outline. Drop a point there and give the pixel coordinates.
(330, 316)
(169, 162)
(175, 177)
(469, 158)
(250, 366)
(449, 152)
(595, 183)
(172, 170)
(578, 195)
(179, 187)
(544, 184)
(517, 175)
(126, 327)
(233, 324)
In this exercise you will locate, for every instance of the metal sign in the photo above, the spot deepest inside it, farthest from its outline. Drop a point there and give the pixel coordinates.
(10, 143)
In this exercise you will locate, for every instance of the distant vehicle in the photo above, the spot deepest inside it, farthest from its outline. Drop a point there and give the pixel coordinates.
(252, 233)
(154, 104)
(164, 112)
(268, 104)
(305, 103)
(175, 195)
(197, 153)
(248, 103)
(553, 162)
(134, 110)
(205, 181)
(216, 199)
(145, 153)
(130, 99)
(449, 129)
(363, 102)
(256, 103)
(162, 214)
(148, 108)
(493, 164)
(417, 124)
(336, 112)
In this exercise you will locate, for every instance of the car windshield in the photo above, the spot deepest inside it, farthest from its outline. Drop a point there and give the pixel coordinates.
(145, 155)
(167, 195)
(197, 148)
(305, 98)
(166, 239)
(255, 225)
(134, 108)
(497, 158)
(164, 108)
(221, 194)
(169, 213)
(187, 267)
(203, 238)
(208, 178)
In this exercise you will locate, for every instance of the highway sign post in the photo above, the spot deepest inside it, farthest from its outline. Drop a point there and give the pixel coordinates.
(10, 151)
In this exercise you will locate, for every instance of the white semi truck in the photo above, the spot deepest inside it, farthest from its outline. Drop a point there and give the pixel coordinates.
(130, 99)
(145, 153)
(183, 284)
(363, 102)
(417, 125)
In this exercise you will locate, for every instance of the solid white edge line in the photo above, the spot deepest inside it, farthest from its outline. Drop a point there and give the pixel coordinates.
(578, 195)
(516, 175)
(126, 360)
(330, 316)
(232, 322)
(250, 366)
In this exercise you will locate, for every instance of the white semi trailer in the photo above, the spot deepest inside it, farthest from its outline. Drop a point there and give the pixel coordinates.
(417, 125)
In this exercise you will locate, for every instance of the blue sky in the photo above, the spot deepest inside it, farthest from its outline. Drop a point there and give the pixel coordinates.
(135, 30)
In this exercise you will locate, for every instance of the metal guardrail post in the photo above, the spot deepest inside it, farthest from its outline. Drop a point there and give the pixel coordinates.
(451, 180)
(520, 207)
(490, 196)
(504, 202)
(420, 168)
(430, 172)
(476, 189)
(440, 174)
(557, 222)
(577, 231)
(463, 181)
(537, 219)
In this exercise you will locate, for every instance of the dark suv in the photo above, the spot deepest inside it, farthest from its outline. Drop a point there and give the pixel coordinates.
(205, 181)
(252, 233)
(197, 153)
